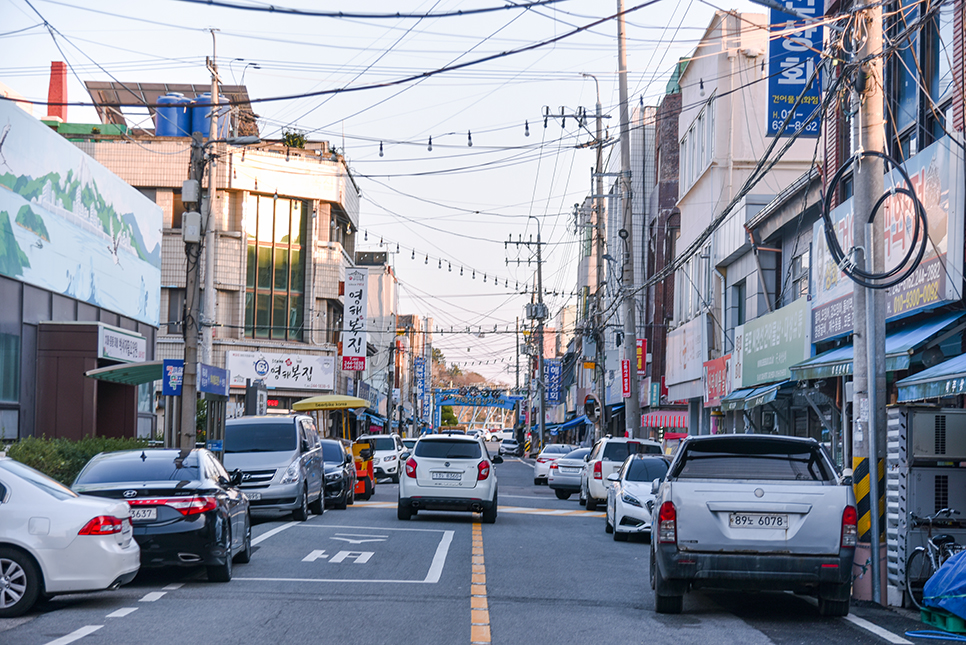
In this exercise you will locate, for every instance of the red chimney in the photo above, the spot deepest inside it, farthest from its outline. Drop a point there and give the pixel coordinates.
(57, 93)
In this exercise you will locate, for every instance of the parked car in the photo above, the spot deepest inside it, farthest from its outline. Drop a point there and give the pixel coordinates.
(751, 512)
(54, 541)
(340, 474)
(409, 443)
(385, 458)
(606, 457)
(449, 473)
(510, 447)
(185, 513)
(550, 453)
(629, 497)
(281, 463)
(564, 475)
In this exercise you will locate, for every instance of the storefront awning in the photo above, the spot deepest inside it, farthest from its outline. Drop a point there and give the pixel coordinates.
(945, 379)
(129, 373)
(573, 423)
(750, 398)
(900, 345)
(329, 402)
(669, 419)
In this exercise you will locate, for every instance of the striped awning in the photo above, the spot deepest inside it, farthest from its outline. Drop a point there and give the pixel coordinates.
(662, 419)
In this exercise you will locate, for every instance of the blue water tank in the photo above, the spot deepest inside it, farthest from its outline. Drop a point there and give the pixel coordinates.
(201, 108)
(172, 117)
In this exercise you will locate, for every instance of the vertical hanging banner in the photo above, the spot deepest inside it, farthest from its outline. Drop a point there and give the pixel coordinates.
(625, 378)
(552, 370)
(642, 356)
(793, 53)
(419, 367)
(354, 330)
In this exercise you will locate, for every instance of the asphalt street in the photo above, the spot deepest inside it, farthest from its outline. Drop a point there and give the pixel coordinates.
(545, 572)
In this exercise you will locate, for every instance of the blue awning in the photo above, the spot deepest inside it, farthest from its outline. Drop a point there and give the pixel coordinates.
(751, 397)
(945, 379)
(900, 345)
(573, 423)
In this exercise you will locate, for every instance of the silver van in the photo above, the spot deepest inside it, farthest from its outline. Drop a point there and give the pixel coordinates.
(280, 458)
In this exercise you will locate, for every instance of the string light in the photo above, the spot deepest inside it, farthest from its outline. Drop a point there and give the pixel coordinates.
(526, 128)
(380, 149)
(469, 138)
(414, 255)
(430, 146)
(440, 264)
(365, 235)
(450, 266)
(701, 86)
(397, 247)
(426, 261)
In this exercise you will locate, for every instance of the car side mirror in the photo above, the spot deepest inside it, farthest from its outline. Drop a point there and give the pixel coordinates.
(587, 458)
(365, 454)
(348, 459)
(236, 477)
(405, 456)
(613, 477)
(497, 459)
(846, 480)
(304, 445)
(655, 485)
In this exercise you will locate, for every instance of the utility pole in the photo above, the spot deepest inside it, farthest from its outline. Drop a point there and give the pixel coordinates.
(869, 304)
(192, 249)
(632, 405)
(208, 307)
(390, 378)
(516, 336)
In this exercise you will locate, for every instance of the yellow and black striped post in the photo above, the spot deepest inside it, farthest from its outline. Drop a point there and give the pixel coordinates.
(863, 503)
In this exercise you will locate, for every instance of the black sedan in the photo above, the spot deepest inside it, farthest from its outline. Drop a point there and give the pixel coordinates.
(186, 513)
(340, 474)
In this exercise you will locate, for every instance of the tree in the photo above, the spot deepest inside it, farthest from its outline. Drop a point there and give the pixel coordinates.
(447, 418)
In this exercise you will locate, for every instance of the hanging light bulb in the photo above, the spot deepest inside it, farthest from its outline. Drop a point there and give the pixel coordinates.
(484, 278)
(397, 247)
(642, 100)
(701, 87)
(426, 261)
(469, 138)
(365, 235)
(380, 149)
(430, 146)
(461, 270)
(474, 274)
(414, 255)
(450, 266)
(380, 241)
(526, 128)
(440, 264)
(545, 122)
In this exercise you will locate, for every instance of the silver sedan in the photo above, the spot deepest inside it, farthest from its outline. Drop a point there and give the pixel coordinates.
(564, 476)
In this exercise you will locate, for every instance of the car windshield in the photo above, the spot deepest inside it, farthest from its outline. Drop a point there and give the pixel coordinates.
(131, 467)
(382, 443)
(558, 449)
(646, 470)
(260, 437)
(580, 453)
(509, 441)
(752, 459)
(50, 486)
(444, 449)
(332, 452)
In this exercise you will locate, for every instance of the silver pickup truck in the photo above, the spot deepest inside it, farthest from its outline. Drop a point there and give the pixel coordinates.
(753, 512)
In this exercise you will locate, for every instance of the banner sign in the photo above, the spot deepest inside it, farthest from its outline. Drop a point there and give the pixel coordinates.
(641, 356)
(625, 378)
(354, 330)
(172, 371)
(289, 371)
(419, 367)
(936, 173)
(552, 371)
(655, 394)
(212, 380)
(686, 351)
(717, 381)
(774, 342)
(118, 345)
(793, 54)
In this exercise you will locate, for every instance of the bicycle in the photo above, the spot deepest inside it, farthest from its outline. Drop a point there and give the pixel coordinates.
(924, 561)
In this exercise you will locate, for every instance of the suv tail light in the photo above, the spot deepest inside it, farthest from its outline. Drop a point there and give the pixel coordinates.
(411, 468)
(850, 530)
(483, 469)
(667, 531)
(102, 525)
(598, 473)
(184, 505)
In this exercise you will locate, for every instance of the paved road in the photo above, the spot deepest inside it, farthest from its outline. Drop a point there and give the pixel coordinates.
(545, 572)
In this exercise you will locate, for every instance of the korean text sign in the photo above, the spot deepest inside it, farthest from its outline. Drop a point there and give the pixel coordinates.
(354, 330)
(794, 51)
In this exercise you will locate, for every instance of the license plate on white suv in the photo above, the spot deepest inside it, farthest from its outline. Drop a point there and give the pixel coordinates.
(758, 521)
(448, 476)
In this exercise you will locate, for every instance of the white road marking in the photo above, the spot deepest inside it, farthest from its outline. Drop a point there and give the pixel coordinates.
(359, 557)
(121, 613)
(365, 535)
(75, 635)
(436, 568)
(315, 555)
(354, 541)
(151, 597)
(866, 625)
(275, 531)
(174, 586)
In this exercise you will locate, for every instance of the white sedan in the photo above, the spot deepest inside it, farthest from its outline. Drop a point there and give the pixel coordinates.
(629, 498)
(54, 541)
(550, 453)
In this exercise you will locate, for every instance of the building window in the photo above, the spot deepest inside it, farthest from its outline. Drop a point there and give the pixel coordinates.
(274, 287)
(177, 209)
(697, 146)
(175, 311)
(800, 275)
(9, 368)
(739, 295)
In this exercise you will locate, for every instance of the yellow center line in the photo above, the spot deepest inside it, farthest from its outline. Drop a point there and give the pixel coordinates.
(479, 608)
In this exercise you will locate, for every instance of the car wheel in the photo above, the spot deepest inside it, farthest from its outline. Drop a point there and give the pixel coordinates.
(302, 512)
(395, 478)
(650, 569)
(665, 602)
(832, 604)
(536, 482)
(19, 583)
(343, 500)
(583, 497)
(404, 511)
(608, 527)
(367, 483)
(489, 514)
(591, 503)
(245, 555)
(351, 496)
(318, 506)
(620, 537)
(562, 494)
(222, 572)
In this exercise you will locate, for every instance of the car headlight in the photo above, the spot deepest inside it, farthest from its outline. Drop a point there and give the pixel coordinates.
(630, 499)
(292, 473)
(389, 458)
(332, 477)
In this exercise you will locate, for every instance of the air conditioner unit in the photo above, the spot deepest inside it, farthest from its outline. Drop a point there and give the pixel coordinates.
(938, 435)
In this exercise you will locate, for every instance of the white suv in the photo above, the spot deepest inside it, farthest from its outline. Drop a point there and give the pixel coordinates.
(606, 457)
(385, 458)
(449, 472)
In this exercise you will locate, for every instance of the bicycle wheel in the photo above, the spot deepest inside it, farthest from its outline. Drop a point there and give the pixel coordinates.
(918, 570)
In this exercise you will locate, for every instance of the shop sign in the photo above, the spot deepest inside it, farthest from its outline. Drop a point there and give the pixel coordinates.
(774, 342)
(117, 345)
(354, 330)
(625, 378)
(737, 354)
(286, 371)
(686, 351)
(172, 371)
(552, 371)
(793, 54)
(717, 380)
(641, 356)
(212, 380)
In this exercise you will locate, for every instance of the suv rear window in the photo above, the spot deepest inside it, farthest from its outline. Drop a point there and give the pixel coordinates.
(752, 459)
(444, 449)
(260, 437)
(621, 450)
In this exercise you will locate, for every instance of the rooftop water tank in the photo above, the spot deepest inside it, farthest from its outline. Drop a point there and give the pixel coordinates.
(172, 117)
(200, 110)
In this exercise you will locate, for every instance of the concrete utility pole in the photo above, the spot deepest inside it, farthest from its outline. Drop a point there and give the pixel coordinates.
(192, 249)
(632, 405)
(541, 378)
(208, 307)
(869, 304)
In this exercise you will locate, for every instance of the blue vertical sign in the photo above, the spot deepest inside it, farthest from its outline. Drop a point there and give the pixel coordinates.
(552, 370)
(420, 369)
(793, 54)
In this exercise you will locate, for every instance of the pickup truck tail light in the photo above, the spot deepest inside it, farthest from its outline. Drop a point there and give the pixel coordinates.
(850, 529)
(598, 473)
(411, 468)
(667, 531)
(483, 470)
